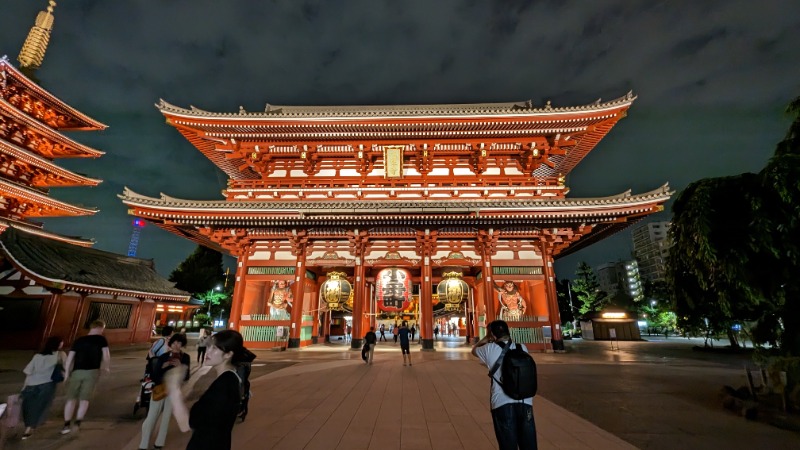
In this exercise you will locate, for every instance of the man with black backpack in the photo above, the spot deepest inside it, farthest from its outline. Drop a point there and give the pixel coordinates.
(513, 385)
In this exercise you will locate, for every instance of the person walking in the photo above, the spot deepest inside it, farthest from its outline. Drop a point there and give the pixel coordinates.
(435, 332)
(174, 357)
(370, 339)
(404, 343)
(39, 388)
(82, 370)
(413, 332)
(395, 332)
(514, 425)
(383, 332)
(202, 342)
(212, 417)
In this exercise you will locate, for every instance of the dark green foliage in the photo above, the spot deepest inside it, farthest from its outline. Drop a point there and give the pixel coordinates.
(586, 289)
(199, 272)
(736, 249)
(565, 306)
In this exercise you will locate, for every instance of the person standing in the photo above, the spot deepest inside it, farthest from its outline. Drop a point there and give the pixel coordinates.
(395, 332)
(212, 417)
(82, 370)
(404, 343)
(413, 332)
(370, 339)
(435, 332)
(514, 425)
(174, 357)
(39, 388)
(383, 332)
(202, 342)
(347, 330)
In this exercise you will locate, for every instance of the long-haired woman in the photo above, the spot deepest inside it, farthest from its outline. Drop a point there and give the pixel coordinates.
(211, 419)
(40, 389)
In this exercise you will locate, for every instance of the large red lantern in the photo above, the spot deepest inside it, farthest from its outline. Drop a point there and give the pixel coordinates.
(393, 288)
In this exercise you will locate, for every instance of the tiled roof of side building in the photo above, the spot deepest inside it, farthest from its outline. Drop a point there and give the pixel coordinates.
(81, 268)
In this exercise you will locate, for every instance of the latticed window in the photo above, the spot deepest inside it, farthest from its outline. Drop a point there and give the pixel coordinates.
(115, 315)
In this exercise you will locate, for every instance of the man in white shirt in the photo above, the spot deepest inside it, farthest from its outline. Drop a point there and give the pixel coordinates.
(513, 420)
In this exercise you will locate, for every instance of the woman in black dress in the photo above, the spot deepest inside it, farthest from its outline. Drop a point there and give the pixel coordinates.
(211, 418)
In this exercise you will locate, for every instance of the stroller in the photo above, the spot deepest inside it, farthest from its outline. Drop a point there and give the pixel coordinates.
(146, 389)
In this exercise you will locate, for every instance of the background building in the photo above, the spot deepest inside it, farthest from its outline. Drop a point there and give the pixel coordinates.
(650, 248)
(621, 277)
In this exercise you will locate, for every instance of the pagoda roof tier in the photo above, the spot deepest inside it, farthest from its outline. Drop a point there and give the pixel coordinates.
(19, 201)
(229, 140)
(603, 215)
(36, 229)
(64, 266)
(39, 103)
(39, 137)
(39, 171)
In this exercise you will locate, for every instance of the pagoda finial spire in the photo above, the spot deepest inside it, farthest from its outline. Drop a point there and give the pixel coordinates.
(35, 45)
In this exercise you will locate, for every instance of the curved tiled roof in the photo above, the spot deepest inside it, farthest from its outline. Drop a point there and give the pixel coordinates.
(395, 111)
(369, 206)
(67, 266)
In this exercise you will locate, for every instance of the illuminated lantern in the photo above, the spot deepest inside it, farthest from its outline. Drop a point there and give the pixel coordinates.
(335, 291)
(393, 288)
(452, 290)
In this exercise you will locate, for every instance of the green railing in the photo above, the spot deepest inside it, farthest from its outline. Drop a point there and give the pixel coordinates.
(263, 333)
(280, 315)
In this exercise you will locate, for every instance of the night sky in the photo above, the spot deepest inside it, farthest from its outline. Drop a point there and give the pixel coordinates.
(712, 78)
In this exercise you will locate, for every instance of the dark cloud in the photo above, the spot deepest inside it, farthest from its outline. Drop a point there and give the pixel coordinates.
(711, 76)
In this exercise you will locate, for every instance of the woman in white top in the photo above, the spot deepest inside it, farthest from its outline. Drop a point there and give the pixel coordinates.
(40, 389)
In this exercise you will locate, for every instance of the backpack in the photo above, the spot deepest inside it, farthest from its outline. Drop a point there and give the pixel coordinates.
(517, 372)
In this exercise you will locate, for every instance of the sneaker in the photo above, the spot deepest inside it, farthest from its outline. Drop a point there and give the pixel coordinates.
(26, 436)
(66, 430)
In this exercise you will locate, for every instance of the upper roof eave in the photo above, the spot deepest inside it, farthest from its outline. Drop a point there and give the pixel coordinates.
(354, 112)
(44, 163)
(91, 124)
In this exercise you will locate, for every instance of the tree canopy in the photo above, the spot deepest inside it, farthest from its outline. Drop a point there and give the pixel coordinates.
(586, 289)
(736, 249)
(199, 272)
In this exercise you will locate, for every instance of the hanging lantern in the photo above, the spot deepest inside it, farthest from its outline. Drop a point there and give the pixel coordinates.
(393, 289)
(452, 290)
(335, 291)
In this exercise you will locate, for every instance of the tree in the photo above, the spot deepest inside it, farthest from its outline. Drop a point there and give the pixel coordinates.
(212, 298)
(586, 289)
(199, 272)
(565, 303)
(736, 249)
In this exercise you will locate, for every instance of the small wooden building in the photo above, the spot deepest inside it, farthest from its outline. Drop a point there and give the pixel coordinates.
(609, 324)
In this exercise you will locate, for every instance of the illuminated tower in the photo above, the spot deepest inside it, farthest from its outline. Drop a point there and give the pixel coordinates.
(138, 224)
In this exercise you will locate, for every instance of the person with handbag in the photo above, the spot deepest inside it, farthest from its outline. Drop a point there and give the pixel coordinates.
(43, 372)
(159, 404)
(212, 417)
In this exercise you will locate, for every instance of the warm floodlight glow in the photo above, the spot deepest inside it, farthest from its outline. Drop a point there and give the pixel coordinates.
(614, 315)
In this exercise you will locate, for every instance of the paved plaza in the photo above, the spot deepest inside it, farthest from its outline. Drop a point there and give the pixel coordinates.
(657, 395)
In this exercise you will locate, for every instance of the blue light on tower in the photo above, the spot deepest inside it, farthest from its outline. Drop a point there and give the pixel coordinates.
(138, 224)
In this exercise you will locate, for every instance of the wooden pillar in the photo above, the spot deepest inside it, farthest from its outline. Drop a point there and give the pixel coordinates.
(136, 311)
(238, 289)
(358, 304)
(298, 292)
(554, 316)
(76, 319)
(315, 315)
(426, 303)
(50, 316)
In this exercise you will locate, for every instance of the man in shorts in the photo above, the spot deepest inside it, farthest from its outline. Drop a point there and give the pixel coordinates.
(404, 334)
(86, 357)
